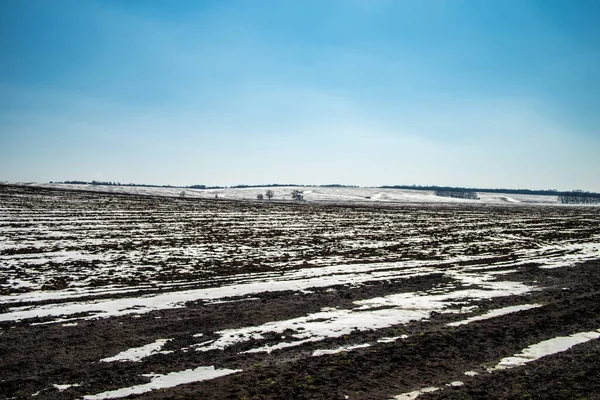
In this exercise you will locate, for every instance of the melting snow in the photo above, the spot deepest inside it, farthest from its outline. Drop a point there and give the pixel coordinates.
(295, 280)
(268, 349)
(376, 313)
(65, 386)
(391, 339)
(298, 280)
(317, 353)
(546, 347)
(165, 381)
(415, 393)
(136, 354)
(495, 313)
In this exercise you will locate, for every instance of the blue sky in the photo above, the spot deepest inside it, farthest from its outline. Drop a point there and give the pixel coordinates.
(495, 93)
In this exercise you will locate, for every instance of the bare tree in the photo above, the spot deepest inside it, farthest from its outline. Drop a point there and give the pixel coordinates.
(260, 197)
(269, 194)
(579, 197)
(182, 194)
(297, 195)
(457, 193)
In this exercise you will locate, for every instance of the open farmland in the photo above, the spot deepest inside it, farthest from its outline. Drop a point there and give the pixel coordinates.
(112, 295)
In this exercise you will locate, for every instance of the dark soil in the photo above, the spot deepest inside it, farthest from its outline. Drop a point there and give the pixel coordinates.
(238, 238)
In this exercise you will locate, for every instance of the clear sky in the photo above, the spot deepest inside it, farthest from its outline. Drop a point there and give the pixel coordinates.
(477, 93)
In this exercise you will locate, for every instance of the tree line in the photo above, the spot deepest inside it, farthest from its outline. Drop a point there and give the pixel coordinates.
(579, 197)
(459, 194)
(111, 183)
(543, 192)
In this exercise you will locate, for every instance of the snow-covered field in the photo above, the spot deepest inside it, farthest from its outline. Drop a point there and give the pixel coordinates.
(170, 291)
(312, 194)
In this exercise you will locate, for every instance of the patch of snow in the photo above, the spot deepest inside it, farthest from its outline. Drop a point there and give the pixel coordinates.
(282, 345)
(320, 352)
(165, 381)
(136, 354)
(546, 347)
(495, 313)
(391, 339)
(415, 393)
(65, 386)
(234, 301)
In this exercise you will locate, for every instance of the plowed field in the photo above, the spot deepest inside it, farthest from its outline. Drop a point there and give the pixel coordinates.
(106, 296)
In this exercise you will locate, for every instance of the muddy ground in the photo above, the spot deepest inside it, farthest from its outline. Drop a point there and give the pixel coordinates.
(61, 248)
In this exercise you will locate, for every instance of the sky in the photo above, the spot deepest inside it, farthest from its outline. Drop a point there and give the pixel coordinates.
(471, 93)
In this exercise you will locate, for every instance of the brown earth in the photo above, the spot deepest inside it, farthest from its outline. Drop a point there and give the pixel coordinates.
(35, 357)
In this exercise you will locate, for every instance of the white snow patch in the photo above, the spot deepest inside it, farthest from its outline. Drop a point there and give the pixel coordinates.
(471, 373)
(136, 354)
(268, 349)
(234, 301)
(415, 393)
(165, 381)
(495, 313)
(320, 352)
(546, 347)
(65, 386)
(391, 339)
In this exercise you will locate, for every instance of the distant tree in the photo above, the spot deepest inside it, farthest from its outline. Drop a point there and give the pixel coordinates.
(269, 194)
(260, 196)
(456, 193)
(297, 195)
(182, 194)
(579, 197)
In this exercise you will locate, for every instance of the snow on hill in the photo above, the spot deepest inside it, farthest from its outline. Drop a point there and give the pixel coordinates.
(311, 194)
